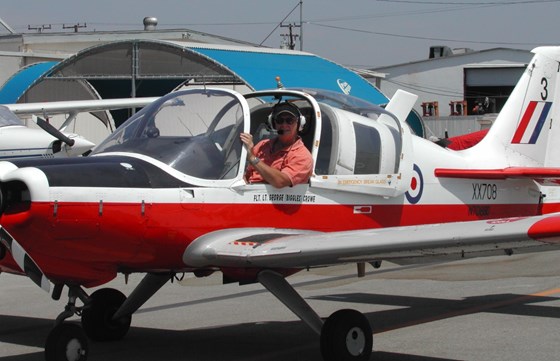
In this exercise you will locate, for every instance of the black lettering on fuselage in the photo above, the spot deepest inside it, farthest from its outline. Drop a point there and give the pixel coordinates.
(484, 191)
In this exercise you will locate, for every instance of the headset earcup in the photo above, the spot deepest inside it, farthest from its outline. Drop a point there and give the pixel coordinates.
(301, 123)
(270, 122)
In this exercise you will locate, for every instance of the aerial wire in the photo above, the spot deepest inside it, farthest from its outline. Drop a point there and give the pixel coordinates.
(280, 23)
(471, 2)
(418, 37)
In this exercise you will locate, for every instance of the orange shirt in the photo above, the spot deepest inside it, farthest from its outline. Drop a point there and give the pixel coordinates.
(295, 161)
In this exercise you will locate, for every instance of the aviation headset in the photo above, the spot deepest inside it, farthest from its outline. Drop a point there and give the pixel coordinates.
(279, 107)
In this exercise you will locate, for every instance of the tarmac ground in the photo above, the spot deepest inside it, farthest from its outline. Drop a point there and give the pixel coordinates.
(496, 308)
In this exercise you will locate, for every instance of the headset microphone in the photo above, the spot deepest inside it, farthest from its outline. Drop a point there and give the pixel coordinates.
(280, 131)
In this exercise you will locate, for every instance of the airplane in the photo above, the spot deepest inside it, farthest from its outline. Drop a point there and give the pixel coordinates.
(17, 140)
(20, 141)
(165, 195)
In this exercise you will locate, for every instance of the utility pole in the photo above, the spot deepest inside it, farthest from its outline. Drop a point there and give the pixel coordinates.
(75, 27)
(39, 29)
(292, 37)
(291, 26)
(301, 25)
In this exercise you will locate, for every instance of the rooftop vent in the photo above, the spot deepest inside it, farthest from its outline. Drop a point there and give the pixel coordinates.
(150, 23)
(440, 51)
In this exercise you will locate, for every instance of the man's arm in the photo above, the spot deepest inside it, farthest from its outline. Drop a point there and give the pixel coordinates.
(270, 175)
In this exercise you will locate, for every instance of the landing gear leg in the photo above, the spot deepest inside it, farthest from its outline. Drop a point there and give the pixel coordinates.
(345, 336)
(106, 316)
(68, 342)
(279, 287)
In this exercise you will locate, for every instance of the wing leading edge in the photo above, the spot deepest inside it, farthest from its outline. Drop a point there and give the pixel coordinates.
(79, 105)
(284, 248)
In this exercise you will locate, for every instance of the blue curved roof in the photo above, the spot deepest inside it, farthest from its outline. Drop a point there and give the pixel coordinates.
(296, 70)
(259, 68)
(14, 87)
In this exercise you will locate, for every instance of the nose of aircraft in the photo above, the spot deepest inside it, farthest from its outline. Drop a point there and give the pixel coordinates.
(80, 146)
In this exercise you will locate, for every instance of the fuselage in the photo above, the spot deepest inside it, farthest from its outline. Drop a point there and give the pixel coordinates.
(153, 187)
(20, 142)
(109, 214)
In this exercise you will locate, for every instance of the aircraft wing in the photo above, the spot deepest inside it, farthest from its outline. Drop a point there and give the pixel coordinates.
(282, 248)
(549, 176)
(78, 105)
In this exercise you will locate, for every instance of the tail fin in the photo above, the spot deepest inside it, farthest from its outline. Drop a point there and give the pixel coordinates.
(524, 133)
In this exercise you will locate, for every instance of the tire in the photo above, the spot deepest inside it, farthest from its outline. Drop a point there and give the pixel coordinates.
(346, 336)
(97, 316)
(66, 342)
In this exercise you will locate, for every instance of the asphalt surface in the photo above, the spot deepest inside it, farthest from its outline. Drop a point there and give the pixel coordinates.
(498, 308)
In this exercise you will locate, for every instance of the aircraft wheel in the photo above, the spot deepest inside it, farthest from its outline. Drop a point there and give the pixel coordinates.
(97, 316)
(66, 342)
(346, 336)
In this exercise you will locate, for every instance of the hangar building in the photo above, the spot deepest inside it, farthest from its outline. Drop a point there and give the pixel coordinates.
(147, 66)
(451, 84)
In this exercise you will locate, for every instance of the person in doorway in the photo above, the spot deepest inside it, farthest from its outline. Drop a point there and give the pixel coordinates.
(283, 160)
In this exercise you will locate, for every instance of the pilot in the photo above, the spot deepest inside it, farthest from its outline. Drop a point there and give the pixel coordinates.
(283, 160)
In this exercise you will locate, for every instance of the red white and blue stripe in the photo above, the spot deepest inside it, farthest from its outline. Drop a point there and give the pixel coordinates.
(532, 122)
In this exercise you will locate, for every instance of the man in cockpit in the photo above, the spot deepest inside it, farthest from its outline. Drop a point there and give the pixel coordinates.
(283, 160)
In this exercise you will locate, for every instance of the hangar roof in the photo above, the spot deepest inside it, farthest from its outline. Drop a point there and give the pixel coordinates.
(173, 63)
(142, 68)
(259, 68)
(14, 87)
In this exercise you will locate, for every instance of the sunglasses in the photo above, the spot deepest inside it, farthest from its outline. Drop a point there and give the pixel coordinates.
(287, 120)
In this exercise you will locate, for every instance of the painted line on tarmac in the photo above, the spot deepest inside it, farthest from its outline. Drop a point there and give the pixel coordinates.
(471, 310)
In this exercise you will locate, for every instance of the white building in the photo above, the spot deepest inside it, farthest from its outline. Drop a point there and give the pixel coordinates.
(450, 83)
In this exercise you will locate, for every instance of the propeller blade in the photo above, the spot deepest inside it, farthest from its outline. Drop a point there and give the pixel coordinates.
(24, 261)
(47, 127)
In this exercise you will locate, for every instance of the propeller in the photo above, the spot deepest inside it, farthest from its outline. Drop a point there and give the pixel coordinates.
(47, 127)
(24, 260)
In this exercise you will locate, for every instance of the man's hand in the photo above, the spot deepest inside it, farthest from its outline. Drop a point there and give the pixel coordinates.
(247, 140)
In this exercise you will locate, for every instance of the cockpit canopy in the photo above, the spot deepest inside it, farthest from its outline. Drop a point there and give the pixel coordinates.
(355, 145)
(192, 131)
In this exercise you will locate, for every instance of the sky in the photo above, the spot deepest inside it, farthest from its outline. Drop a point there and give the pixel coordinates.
(356, 33)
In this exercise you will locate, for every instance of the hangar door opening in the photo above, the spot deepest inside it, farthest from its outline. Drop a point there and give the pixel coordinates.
(487, 88)
(126, 69)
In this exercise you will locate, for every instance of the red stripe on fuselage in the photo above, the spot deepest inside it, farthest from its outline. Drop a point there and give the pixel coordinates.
(92, 246)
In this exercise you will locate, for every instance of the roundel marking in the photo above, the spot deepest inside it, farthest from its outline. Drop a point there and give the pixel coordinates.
(414, 194)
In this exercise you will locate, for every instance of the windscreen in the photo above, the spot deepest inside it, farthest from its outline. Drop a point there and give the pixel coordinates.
(195, 132)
